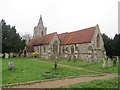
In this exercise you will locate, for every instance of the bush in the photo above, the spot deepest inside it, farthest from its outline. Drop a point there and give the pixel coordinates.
(35, 54)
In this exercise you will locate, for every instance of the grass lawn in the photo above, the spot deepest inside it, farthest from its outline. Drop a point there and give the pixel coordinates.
(80, 63)
(30, 70)
(103, 83)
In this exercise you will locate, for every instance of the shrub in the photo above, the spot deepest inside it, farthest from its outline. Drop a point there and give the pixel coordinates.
(35, 54)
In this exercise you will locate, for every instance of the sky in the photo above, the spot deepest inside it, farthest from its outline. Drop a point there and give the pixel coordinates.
(61, 15)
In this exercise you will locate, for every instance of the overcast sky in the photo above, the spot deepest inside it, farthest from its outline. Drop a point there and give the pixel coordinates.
(61, 15)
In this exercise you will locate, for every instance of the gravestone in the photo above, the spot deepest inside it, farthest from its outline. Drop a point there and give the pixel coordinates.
(84, 61)
(74, 58)
(11, 65)
(69, 58)
(56, 57)
(66, 56)
(11, 54)
(109, 62)
(95, 59)
(76, 54)
(99, 60)
(114, 61)
(104, 64)
(90, 60)
(1, 55)
(6, 55)
(117, 58)
(87, 59)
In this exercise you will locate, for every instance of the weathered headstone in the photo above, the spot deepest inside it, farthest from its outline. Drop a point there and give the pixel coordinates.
(99, 60)
(95, 59)
(56, 57)
(11, 54)
(1, 55)
(76, 54)
(66, 56)
(6, 55)
(117, 58)
(104, 64)
(109, 62)
(87, 60)
(114, 61)
(74, 58)
(84, 61)
(69, 58)
(90, 60)
(11, 66)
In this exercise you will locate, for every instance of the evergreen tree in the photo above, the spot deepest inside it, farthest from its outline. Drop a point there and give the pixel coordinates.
(108, 44)
(11, 40)
(112, 46)
(116, 45)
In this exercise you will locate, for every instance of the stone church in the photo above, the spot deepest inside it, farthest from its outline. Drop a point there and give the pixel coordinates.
(81, 44)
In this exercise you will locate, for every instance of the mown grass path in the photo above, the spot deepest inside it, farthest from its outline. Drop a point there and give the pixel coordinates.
(66, 82)
(71, 66)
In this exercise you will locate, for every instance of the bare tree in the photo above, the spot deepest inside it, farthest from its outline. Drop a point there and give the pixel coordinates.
(27, 37)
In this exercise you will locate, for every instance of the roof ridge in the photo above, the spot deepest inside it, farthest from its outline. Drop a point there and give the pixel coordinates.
(82, 29)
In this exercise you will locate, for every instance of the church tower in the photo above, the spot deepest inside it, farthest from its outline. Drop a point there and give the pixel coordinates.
(39, 30)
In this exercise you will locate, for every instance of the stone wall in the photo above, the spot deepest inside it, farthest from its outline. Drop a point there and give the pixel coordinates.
(80, 50)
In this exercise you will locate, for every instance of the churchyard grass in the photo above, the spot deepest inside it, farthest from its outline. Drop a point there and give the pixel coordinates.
(30, 70)
(103, 83)
(80, 63)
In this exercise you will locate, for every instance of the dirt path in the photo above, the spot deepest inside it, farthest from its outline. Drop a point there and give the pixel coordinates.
(66, 82)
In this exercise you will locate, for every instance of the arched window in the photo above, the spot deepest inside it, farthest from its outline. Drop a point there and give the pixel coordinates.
(66, 48)
(55, 47)
(72, 49)
(98, 41)
(42, 33)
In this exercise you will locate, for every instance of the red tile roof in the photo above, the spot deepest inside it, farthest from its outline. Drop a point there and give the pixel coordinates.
(62, 36)
(41, 39)
(81, 36)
